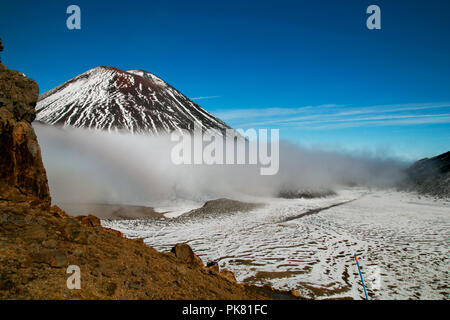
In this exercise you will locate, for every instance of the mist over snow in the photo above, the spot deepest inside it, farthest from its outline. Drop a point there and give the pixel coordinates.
(88, 166)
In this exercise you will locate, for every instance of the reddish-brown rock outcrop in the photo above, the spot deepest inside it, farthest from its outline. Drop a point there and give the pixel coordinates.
(22, 173)
(184, 252)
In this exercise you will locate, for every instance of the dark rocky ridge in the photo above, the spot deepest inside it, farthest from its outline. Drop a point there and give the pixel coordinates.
(429, 176)
(111, 211)
(306, 194)
(221, 206)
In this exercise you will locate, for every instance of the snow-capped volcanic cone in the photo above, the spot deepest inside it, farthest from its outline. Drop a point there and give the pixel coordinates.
(111, 99)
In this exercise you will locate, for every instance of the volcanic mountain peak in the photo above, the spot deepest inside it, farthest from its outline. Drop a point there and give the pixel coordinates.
(111, 99)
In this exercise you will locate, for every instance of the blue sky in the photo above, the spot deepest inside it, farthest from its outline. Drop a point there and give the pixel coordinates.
(310, 68)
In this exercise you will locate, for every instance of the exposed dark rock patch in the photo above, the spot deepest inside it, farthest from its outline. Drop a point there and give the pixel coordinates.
(111, 211)
(306, 194)
(222, 206)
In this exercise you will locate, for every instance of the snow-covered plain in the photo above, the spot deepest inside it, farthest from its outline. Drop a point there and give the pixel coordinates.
(402, 241)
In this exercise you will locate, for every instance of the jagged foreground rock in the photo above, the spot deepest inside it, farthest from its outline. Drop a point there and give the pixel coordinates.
(39, 242)
(22, 174)
(38, 245)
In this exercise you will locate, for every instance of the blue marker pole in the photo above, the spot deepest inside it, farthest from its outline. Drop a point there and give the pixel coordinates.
(360, 274)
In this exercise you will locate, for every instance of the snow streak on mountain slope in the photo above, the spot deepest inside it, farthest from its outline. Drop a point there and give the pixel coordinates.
(111, 99)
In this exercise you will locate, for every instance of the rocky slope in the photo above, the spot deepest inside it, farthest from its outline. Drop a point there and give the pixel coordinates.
(430, 176)
(37, 246)
(111, 99)
(39, 242)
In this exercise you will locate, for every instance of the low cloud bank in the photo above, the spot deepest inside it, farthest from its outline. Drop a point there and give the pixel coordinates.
(85, 166)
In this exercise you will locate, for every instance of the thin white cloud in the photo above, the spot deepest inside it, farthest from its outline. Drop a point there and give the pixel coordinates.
(334, 117)
(395, 108)
(382, 123)
(203, 98)
(268, 112)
